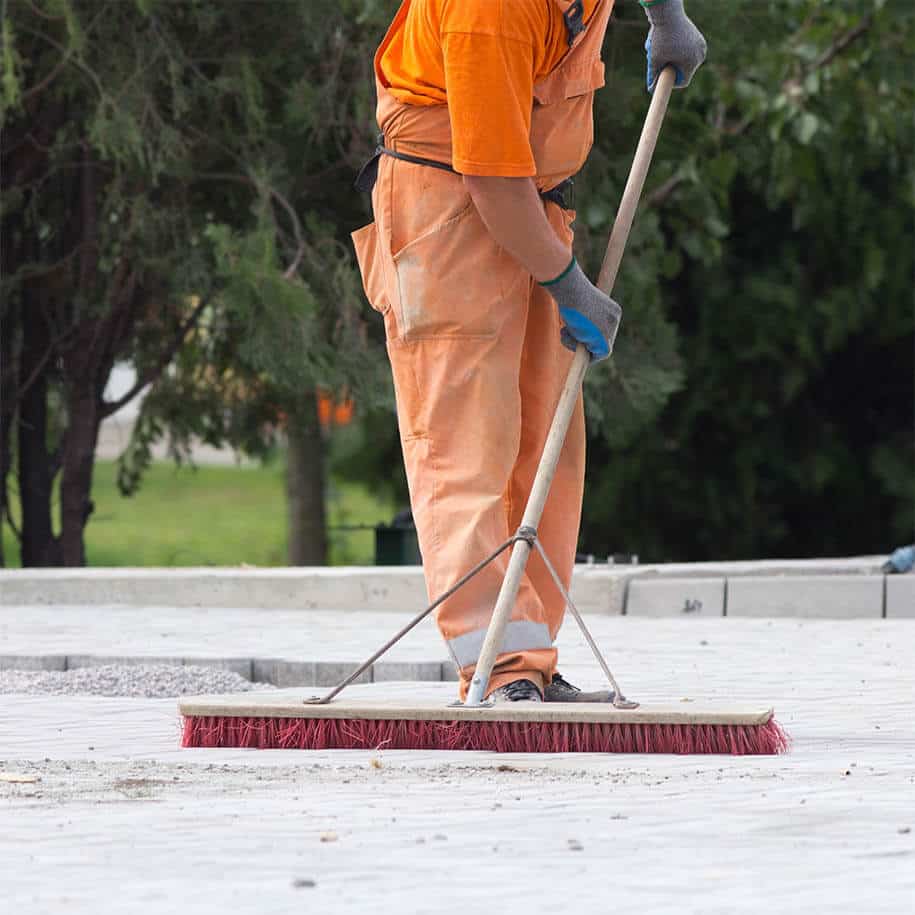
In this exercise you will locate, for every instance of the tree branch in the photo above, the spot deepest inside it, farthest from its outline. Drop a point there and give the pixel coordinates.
(66, 53)
(55, 72)
(23, 389)
(838, 45)
(42, 14)
(792, 86)
(842, 42)
(150, 375)
(660, 194)
(290, 271)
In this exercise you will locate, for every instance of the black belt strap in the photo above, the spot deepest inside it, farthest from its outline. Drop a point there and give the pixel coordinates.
(561, 195)
(416, 160)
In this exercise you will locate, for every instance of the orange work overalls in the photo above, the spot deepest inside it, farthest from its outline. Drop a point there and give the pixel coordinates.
(477, 361)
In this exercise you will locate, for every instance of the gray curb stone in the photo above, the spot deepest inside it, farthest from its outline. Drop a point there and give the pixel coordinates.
(676, 597)
(75, 661)
(277, 671)
(33, 662)
(596, 588)
(900, 596)
(821, 596)
(284, 673)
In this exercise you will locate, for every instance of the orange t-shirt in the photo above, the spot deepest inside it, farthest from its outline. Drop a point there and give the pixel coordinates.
(481, 58)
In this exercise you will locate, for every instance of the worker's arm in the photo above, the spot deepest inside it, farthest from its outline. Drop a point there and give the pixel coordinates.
(513, 212)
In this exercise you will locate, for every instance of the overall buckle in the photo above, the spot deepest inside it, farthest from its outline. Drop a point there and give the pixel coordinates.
(574, 18)
(563, 195)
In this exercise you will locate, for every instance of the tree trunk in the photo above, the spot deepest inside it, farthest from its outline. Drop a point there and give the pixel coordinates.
(83, 419)
(82, 366)
(305, 488)
(7, 411)
(39, 545)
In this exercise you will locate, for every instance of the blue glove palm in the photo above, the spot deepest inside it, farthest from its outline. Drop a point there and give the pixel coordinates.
(579, 328)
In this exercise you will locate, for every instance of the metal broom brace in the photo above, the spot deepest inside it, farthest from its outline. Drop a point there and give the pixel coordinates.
(522, 547)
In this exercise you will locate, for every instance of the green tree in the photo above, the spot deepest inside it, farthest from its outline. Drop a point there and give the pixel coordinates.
(776, 234)
(165, 167)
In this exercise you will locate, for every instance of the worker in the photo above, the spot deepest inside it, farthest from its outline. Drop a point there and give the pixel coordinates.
(485, 109)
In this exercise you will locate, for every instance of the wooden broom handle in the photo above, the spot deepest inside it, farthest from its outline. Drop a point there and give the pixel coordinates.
(570, 391)
(636, 180)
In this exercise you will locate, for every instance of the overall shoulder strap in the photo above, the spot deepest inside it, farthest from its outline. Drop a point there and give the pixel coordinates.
(573, 13)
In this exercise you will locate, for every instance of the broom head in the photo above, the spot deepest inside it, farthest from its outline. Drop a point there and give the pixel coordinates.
(364, 720)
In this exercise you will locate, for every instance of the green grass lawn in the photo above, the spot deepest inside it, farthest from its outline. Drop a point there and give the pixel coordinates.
(211, 516)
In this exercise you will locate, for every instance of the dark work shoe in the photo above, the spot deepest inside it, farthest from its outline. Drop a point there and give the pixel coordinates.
(517, 691)
(560, 690)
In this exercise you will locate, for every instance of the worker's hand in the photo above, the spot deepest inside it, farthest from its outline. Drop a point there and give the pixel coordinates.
(673, 40)
(588, 316)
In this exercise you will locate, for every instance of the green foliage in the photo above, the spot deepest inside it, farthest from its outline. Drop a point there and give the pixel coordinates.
(10, 83)
(787, 272)
(273, 331)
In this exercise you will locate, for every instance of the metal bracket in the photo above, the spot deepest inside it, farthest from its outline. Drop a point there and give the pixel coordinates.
(527, 534)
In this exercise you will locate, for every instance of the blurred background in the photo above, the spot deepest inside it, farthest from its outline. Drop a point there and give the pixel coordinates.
(191, 375)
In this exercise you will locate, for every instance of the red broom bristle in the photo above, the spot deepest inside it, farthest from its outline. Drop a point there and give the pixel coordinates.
(495, 736)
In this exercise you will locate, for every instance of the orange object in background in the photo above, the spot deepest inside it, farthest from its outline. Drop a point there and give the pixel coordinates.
(478, 365)
(333, 411)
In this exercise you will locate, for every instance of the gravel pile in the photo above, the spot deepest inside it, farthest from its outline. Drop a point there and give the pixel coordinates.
(150, 681)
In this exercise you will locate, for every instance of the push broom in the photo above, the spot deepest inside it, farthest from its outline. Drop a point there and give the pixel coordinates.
(286, 720)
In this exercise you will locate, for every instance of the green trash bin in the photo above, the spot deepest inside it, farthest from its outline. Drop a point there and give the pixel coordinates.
(396, 543)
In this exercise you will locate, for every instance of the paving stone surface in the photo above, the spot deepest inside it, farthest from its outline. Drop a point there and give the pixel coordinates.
(122, 820)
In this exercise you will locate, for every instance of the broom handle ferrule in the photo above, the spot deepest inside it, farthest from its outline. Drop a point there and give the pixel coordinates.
(570, 392)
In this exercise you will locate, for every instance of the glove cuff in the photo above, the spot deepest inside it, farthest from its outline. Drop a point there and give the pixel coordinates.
(572, 265)
(663, 12)
(567, 288)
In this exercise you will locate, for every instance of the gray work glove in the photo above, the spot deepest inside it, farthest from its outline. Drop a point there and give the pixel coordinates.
(589, 316)
(673, 40)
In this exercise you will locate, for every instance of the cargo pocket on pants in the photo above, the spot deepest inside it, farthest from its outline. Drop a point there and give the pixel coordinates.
(451, 280)
(365, 241)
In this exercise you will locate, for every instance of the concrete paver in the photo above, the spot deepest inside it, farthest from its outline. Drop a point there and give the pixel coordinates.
(900, 596)
(824, 596)
(687, 596)
(125, 821)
